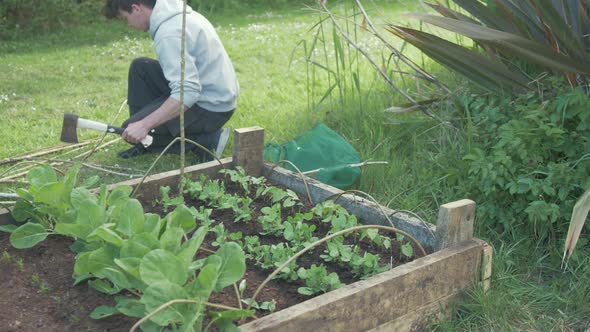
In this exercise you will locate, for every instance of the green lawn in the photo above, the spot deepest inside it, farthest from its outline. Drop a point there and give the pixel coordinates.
(83, 70)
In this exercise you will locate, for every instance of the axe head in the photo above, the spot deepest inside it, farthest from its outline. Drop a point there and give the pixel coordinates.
(69, 132)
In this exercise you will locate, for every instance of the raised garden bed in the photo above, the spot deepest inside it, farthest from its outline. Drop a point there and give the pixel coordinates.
(403, 298)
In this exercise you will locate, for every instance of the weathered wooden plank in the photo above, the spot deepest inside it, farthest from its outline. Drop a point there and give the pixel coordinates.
(370, 303)
(366, 211)
(248, 149)
(455, 223)
(419, 319)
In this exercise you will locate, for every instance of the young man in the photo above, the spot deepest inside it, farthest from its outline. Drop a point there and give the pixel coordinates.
(210, 84)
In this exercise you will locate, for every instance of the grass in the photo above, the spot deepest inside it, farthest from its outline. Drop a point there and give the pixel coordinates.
(84, 71)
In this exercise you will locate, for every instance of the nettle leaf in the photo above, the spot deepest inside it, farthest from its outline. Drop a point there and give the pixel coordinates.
(119, 194)
(163, 292)
(153, 224)
(129, 265)
(130, 307)
(181, 217)
(288, 233)
(115, 276)
(86, 204)
(103, 286)
(171, 239)
(90, 182)
(8, 228)
(139, 245)
(28, 235)
(190, 247)
(41, 175)
(231, 315)
(75, 230)
(161, 265)
(407, 250)
(103, 311)
(93, 261)
(130, 218)
(50, 193)
(106, 234)
(204, 284)
(233, 264)
(23, 210)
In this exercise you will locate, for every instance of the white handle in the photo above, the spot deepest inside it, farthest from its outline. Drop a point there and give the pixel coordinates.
(147, 141)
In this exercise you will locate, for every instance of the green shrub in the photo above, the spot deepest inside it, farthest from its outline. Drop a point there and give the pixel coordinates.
(21, 17)
(529, 158)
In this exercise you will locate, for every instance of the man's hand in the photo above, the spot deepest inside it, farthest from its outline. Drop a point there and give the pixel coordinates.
(135, 132)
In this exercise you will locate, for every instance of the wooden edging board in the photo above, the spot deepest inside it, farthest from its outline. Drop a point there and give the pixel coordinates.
(368, 212)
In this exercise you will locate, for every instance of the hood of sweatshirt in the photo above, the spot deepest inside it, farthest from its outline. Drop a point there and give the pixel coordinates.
(165, 10)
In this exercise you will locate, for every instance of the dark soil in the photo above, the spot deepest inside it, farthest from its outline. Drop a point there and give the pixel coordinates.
(38, 293)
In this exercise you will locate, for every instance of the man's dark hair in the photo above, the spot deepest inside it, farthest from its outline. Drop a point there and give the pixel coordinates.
(112, 7)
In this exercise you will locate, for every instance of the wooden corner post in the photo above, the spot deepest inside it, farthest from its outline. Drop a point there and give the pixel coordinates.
(455, 223)
(248, 149)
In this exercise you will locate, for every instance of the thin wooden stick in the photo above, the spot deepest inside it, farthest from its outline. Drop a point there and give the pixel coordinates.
(301, 174)
(164, 151)
(45, 152)
(98, 148)
(368, 57)
(350, 165)
(181, 109)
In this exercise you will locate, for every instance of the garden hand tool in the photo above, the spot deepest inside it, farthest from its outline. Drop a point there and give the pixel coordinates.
(72, 122)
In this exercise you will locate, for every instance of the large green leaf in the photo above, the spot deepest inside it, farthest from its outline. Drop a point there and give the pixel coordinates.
(139, 245)
(171, 239)
(119, 194)
(130, 307)
(28, 235)
(233, 264)
(153, 224)
(89, 211)
(106, 234)
(190, 247)
(39, 176)
(205, 283)
(161, 265)
(162, 292)
(115, 276)
(93, 261)
(130, 218)
(103, 311)
(80, 231)
(181, 217)
(489, 74)
(129, 265)
(23, 210)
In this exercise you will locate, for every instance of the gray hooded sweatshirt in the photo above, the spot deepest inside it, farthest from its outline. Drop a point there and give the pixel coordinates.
(210, 79)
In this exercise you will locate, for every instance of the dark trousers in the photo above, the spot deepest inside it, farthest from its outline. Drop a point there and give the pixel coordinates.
(148, 89)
